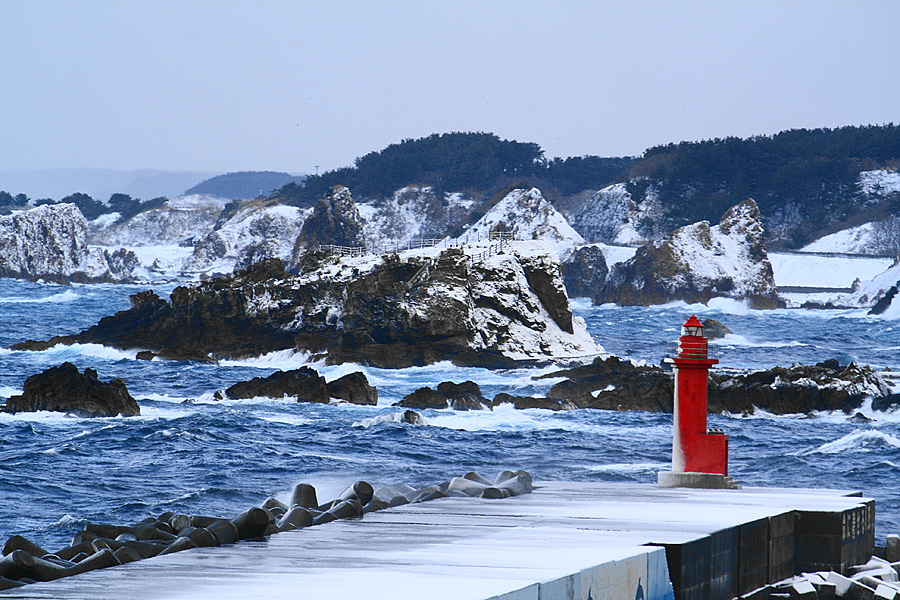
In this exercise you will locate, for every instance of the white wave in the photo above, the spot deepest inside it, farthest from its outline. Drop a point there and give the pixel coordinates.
(505, 417)
(67, 521)
(734, 339)
(629, 467)
(286, 419)
(92, 350)
(859, 441)
(6, 391)
(150, 413)
(394, 417)
(284, 360)
(67, 296)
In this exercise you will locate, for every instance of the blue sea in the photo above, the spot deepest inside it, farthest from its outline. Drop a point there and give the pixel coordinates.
(189, 453)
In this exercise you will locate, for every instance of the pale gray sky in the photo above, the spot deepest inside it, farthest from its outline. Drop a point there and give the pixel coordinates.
(229, 86)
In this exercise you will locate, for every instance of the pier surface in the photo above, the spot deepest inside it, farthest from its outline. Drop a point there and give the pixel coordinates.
(564, 541)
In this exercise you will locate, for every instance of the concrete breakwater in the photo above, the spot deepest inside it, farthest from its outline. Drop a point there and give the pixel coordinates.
(100, 546)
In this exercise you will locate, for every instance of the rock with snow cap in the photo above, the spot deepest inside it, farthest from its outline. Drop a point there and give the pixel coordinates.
(698, 262)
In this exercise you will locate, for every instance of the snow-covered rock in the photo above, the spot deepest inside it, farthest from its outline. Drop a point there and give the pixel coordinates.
(585, 271)
(698, 262)
(413, 213)
(879, 293)
(614, 216)
(253, 231)
(399, 310)
(183, 218)
(528, 216)
(50, 242)
(334, 221)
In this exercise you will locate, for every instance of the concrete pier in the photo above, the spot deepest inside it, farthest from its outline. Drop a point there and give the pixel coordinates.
(565, 541)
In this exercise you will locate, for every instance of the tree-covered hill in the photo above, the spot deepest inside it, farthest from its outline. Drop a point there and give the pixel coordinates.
(474, 162)
(810, 174)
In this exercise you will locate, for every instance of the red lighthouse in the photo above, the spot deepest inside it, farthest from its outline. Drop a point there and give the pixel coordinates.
(699, 455)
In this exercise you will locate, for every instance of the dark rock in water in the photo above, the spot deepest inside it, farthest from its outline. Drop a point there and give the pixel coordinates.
(584, 272)
(145, 355)
(353, 388)
(831, 363)
(886, 403)
(522, 402)
(612, 383)
(335, 220)
(411, 417)
(858, 417)
(546, 281)
(714, 330)
(304, 383)
(64, 389)
(458, 396)
(698, 262)
(307, 385)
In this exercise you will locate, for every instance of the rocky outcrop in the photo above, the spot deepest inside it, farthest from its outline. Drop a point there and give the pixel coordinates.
(698, 262)
(387, 311)
(182, 219)
(527, 215)
(622, 213)
(614, 384)
(414, 213)
(584, 272)
(307, 386)
(64, 389)
(714, 330)
(245, 234)
(457, 396)
(50, 242)
(878, 293)
(334, 220)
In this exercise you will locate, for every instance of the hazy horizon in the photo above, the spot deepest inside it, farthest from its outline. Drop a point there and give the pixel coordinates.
(218, 87)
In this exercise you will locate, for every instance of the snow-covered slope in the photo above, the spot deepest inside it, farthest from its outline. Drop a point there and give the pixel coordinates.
(698, 262)
(612, 215)
(528, 216)
(880, 293)
(183, 218)
(258, 229)
(412, 213)
(50, 241)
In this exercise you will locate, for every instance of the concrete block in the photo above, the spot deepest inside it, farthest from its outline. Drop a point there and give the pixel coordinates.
(659, 585)
(705, 481)
(841, 583)
(753, 556)
(885, 592)
(802, 590)
(892, 548)
(859, 591)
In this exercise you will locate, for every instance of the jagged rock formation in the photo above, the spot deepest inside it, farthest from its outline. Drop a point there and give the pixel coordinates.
(64, 389)
(247, 233)
(334, 220)
(584, 272)
(414, 213)
(622, 213)
(385, 311)
(527, 215)
(698, 262)
(50, 242)
(458, 396)
(307, 386)
(614, 384)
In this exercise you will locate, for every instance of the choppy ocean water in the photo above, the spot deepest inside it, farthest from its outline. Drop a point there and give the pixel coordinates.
(190, 453)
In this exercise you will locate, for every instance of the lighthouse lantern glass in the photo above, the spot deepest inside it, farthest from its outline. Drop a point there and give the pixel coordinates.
(692, 330)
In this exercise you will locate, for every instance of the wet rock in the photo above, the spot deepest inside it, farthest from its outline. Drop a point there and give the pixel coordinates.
(522, 402)
(411, 417)
(353, 388)
(64, 389)
(714, 330)
(457, 396)
(584, 272)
